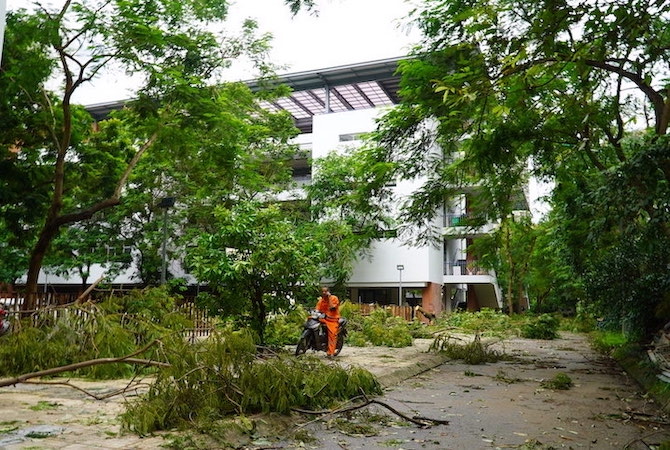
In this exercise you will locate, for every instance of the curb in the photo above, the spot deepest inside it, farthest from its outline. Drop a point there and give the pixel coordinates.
(424, 363)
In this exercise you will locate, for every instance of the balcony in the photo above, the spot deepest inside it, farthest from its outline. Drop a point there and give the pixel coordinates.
(483, 281)
(464, 268)
(466, 226)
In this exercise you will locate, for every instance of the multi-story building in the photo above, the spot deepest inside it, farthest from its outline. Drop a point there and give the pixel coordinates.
(332, 108)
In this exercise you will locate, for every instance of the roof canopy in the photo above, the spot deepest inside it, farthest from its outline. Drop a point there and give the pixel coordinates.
(336, 89)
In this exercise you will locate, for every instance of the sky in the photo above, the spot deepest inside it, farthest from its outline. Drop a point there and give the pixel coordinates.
(343, 32)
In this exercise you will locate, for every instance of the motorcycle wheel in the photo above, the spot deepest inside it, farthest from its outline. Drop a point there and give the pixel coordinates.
(340, 343)
(302, 344)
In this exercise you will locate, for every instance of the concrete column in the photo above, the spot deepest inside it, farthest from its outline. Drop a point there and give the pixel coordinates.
(432, 298)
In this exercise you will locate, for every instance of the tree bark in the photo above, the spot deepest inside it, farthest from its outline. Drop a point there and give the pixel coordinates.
(56, 220)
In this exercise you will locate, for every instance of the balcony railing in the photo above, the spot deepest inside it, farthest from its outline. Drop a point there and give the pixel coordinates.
(455, 220)
(462, 267)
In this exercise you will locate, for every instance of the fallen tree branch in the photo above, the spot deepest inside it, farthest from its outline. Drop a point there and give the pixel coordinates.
(128, 387)
(423, 422)
(90, 289)
(80, 365)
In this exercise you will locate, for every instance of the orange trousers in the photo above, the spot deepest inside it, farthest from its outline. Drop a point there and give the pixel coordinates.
(332, 325)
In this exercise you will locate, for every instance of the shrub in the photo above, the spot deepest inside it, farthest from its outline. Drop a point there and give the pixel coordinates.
(486, 322)
(357, 339)
(606, 342)
(544, 326)
(285, 328)
(381, 328)
(113, 328)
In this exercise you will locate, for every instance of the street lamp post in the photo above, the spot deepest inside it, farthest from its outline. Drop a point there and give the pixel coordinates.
(400, 268)
(165, 203)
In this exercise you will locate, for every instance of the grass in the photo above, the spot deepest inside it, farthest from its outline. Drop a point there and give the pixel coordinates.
(560, 382)
(44, 406)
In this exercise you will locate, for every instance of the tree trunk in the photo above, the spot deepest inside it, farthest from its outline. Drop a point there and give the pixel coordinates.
(47, 234)
(259, 315)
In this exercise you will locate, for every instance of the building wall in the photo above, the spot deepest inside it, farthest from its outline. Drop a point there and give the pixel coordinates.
(423, 268)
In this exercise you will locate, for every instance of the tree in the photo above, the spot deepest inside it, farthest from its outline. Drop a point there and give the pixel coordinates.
(564, 84)
(548, 80)
(509, 250)
(166, 42)
(97, 241)
(257, 261)
(348, 197)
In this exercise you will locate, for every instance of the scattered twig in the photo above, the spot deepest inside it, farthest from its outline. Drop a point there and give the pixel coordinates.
(641, 439)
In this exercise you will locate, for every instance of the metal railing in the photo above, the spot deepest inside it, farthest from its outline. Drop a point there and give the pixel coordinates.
(463, 267)
(455, 220)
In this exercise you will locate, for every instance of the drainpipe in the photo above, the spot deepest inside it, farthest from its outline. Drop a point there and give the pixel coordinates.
(3, 10)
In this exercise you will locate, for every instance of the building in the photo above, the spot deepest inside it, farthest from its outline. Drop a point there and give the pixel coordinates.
(332, 107)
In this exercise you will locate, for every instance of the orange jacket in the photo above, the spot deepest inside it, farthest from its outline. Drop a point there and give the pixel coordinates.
(330, 306)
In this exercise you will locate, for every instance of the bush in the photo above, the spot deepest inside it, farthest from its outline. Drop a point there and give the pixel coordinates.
(382, 329)
(487, 322)
(607, 342)
(544, 326)
(379, 328)
(285, 328)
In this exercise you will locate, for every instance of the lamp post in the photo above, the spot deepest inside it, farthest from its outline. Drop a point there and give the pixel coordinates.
(165, 203)
(400, 268)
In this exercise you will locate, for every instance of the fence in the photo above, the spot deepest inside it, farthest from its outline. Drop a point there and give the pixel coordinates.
(202, 323)
(14, 301)
(404, 312)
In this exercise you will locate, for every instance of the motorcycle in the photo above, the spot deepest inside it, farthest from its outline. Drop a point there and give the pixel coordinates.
(315, 334)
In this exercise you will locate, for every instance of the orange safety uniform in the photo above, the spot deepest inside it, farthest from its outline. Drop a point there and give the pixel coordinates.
(330, 306)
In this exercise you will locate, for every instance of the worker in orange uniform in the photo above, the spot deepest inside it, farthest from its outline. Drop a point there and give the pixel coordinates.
(329, 305)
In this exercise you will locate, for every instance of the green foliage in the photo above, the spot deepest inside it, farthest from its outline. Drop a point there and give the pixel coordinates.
(544, 326)
(560, 381)
(184, 128)
(620, 241)
(353, 204)
(285, 328)
(221, 376)
(380, 328)
(357, 339)
(256, 260)
(544, 91)
(473, 352)
(113, 328)
(583, 321)
(487, 322)
(607, 342)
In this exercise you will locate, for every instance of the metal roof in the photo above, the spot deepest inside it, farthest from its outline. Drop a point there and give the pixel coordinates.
(336, 89)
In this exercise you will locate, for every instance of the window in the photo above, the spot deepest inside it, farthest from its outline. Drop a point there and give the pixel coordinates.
(350, 137)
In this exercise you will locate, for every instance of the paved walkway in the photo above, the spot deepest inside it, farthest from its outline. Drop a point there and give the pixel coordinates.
(58, 417)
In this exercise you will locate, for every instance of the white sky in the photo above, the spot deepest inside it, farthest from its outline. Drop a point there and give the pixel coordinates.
(344, 32)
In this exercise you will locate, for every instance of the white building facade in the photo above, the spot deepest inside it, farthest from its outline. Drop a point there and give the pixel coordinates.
(332, 107)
